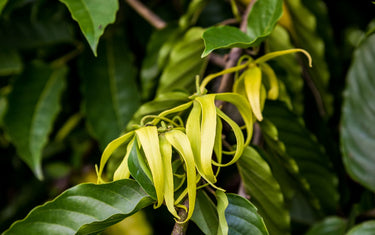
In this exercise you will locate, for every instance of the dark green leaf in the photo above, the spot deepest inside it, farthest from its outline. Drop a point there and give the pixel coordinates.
(329, 226)
(93, 16)
(10, 63)
(33, 105)
(205, 214)
(109, 87)
(264, 190)
(184, 63)
(314, 165)
(84, 209)
(191, 16)
(366, 228)
(139, 170)
(358, 114)
(243, 218)
(261, 21)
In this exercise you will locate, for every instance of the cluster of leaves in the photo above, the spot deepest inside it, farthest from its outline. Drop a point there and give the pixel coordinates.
(77, 74)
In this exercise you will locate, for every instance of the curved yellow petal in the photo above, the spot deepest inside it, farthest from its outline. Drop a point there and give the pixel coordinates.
(182, 144)
(253, 81)
(149, 140)
(122, 171)
(177, 109)
(111, 147)
(275, 54)
(166, 153)
(273, 92)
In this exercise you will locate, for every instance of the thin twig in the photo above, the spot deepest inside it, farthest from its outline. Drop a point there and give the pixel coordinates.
(147, 14)
(180, 229)
(234, 54)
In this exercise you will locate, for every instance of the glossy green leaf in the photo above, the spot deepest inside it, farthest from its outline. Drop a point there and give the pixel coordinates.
(243, 218)
(358, 114)
(261, 21)
(84, 209)
(2, 5)
(32, 108)
(93, 16)
(365, 228)
(313, 163)
(139, 170)
(264, 190)
(205, 214)
(329, 226)
(184, 63)
(222, 205)
(109, 88)
(10, 63)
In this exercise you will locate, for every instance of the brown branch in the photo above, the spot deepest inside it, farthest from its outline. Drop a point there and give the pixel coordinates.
(180, 229)
(234, 54)
(147, 14)
(217, 59)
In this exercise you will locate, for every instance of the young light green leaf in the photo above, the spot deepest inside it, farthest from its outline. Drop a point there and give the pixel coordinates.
(184, 63)
(2, 5)
(242, 217)
(205, 214)
(38, 91)
(365, 228)
(358, 114)
(264, 190)
(84, 209)
(261, 21)
(109, 88)
(93, 16)
(329, 226)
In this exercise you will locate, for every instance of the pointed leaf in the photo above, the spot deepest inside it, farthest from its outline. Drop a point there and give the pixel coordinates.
(329, 226)
(205, 214)
(302, 146)
(109, 87)
(242, 217)
(264, 190)
(84, 209)
(358, 114)
(261, 21)
(37, 91)
(93, 16)
(184, 63)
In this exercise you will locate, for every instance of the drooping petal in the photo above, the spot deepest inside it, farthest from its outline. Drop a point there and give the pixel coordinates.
(111, 147)
(273, 92)
(148, 138)
(177, 109)
(253, 81)
(122, 171)
(275, 54)
(182, 144)
(166, 153)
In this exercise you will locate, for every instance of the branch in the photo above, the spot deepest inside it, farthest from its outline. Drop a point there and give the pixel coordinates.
(147, 14)
(180, 229)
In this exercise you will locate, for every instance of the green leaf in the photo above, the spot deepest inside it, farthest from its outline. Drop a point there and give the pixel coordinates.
(139, 170)
(184, 63)
(264, 190)
(260, 23)
(358, 114)
(10, 63)
(313, 163)
(92, 16)
(84, 209)
(365, 228)
(32, 107)
(205, 214)
(2, 5)
(243, 218)
(109, 87)
(329, 226)
(222, 205)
